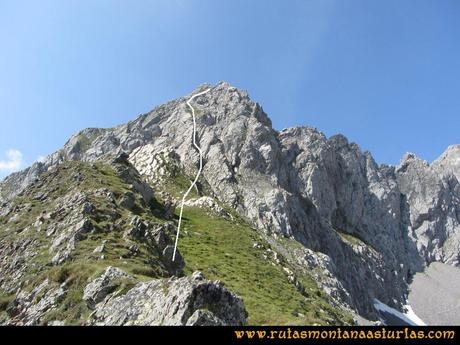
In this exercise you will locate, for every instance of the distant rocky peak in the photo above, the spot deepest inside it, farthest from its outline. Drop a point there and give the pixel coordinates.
(410, 159)
(449, 161)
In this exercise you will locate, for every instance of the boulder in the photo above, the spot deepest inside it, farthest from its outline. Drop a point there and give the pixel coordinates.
(97, 290)
(189, 300)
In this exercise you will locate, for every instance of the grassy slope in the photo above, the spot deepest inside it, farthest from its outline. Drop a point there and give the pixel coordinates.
(225, 250)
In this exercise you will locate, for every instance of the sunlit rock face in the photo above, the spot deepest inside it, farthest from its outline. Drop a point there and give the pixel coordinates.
(368, 227)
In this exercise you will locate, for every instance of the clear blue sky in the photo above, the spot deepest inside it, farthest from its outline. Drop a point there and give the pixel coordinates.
(384, 73)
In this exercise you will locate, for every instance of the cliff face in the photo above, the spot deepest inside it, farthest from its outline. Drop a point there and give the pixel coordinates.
(366, 228)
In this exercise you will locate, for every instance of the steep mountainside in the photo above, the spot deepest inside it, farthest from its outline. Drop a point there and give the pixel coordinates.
(321, 207)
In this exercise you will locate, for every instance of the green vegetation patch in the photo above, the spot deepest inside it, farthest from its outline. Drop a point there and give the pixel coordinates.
(354, 239)
(5, 300)
(234, 253)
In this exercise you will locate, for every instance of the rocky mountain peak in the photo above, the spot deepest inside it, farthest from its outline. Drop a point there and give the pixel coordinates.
(322, 203)
(449, 161)
(409, 159)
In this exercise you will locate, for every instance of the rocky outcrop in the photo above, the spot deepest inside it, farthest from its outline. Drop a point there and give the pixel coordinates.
(156, 236)
(176, 301)
(64, 222)
(131, 176)
(29, 308)
(208, 203)
(449, 162)
(96, 291)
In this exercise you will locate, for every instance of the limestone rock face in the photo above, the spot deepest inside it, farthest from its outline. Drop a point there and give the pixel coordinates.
(369, 227)
(449, 161)
(98, 289)
(433, 200)
(177, 301)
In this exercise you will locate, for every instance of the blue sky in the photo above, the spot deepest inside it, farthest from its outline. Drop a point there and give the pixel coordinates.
(384, 73)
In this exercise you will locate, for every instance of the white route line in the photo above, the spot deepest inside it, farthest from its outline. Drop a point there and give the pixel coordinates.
(198, 173)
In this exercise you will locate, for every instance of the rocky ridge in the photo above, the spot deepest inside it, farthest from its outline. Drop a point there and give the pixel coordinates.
(63, 237)
(178, 301)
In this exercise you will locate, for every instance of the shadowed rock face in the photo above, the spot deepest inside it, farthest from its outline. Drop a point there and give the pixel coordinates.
(368, 227)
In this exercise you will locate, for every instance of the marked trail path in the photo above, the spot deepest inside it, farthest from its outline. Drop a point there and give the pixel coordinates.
(198, 173)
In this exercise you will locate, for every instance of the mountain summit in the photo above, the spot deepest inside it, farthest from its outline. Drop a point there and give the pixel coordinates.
(314, 213)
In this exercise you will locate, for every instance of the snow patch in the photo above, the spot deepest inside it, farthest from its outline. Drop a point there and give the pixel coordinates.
(409, 317)
(412, 316)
